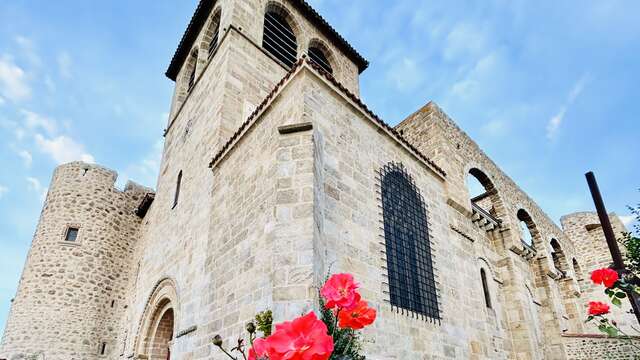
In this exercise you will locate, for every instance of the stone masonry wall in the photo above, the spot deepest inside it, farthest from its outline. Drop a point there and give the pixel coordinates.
(71, 295)
(598, 347)
(540, 296)
(351, 150)
(593, 253)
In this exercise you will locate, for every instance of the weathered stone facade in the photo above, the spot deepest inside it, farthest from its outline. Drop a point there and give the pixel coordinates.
(270, 178)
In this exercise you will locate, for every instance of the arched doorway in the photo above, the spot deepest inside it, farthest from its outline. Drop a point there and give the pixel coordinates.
(160, 344)
(158, 323)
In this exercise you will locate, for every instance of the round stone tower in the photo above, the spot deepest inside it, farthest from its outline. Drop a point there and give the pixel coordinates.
(73, 286)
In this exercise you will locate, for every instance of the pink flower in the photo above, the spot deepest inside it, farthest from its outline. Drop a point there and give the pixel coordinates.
(605, 276)
(598, 308)
(304, 338)
(340, 291)
(260, 350)
(358, 317)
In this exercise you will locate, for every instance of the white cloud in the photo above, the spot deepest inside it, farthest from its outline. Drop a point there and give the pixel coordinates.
(64, 64)
(28, 49)
(146, 170)
(63, 149)
(406, 74)
(34, 121)
(48, 82)
(3, 190)
(464, 40)
(553, 126)
(13, 81)
(627, 220)
(26, 157)
(495, 127)
(480, 74)
(35, 186)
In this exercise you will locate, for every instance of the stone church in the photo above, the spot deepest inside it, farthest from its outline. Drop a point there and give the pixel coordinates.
(273, 174)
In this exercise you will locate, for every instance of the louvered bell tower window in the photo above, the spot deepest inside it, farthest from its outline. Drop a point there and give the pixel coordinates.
(317, 56)
(279, 39)
(215, 27)
(412, 283)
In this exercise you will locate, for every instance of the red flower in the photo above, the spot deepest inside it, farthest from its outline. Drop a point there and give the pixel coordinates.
(340, 291)
(260, 349)
(605, 276)
(598, 308)
(304, 338)
(358, 317)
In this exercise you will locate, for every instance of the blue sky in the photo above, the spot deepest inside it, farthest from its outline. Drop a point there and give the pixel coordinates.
(548, 89)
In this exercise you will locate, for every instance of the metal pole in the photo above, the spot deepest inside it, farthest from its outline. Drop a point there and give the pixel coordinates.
(618, 262)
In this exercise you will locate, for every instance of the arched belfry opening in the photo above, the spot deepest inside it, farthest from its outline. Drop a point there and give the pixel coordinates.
(320, 54)
(279, 37)
(158, 323)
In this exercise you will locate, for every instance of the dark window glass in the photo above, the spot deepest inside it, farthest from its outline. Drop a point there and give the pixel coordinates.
(192, 75)
(103, 348)
(213, 44)
(485, 288)
(318, 57)
(279, 39)
(412, 283)
(71, 235)
(177, 194)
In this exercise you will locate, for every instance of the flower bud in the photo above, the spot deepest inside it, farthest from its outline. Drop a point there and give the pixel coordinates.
(217, 340)
(250, 327)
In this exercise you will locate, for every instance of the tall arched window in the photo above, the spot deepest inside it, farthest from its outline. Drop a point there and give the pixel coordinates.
(485, 288)
(214, 29)
(318, 56)
(558, 256)
(527, 228)
(193, 64)
(577, 270)
(278, 38)
(412, 283)
(483, 195)
(176, 196)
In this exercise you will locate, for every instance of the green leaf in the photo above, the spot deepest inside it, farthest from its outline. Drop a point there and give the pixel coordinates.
(616, 302)
(603, 328)
(621, 295)
(589, 318)
(608, 292)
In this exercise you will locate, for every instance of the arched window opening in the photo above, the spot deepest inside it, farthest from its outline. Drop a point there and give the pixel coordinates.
(177, 193)
(215, 33)
(192, 70)
(485, 288)
(527, 228)
(558, 257)
(577, 270)
(412, 283)
(317, 55)
(279, 39)
(483, 196)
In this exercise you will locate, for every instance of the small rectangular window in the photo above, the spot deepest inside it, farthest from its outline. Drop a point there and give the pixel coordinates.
(103, 348)
(71, 235)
